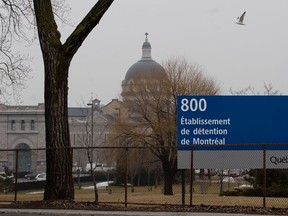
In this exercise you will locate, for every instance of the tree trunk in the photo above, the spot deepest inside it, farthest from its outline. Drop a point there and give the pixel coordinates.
(96, 195)
(57, 58)
(168, 182)
(59, 156)
(169, 169)
(59, 182)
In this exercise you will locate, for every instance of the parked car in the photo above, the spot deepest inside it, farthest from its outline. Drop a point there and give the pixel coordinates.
(230, 172)
(76, 169)
(33, 175)
(228, 179)
(235, 172)
(98, 167)
(41, 177)
(243, 186)
(213, 172)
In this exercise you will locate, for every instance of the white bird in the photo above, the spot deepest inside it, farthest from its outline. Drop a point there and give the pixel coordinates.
(241, 19)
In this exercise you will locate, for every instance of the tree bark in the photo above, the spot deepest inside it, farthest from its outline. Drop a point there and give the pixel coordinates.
(59, 183)
(169, 171)
(57, 58)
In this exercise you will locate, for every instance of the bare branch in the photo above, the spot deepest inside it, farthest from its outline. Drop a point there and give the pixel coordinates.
(84, 28)
(268, 90)
(15, 18)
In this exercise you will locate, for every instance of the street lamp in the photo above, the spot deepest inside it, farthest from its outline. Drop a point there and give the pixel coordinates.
(92, 123)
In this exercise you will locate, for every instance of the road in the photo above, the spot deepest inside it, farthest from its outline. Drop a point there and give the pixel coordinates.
(42, 212)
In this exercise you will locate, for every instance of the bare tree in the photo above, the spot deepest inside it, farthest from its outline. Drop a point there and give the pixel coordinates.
(151, 164)
(93, 138)
(135, 160)
(150, 108)
(57, 57)
(85, 140)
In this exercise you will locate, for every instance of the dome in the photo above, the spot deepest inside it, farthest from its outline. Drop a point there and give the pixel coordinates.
(145, 66)
(146, 45)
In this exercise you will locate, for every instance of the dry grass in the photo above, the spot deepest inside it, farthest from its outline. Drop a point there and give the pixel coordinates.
(144, 196)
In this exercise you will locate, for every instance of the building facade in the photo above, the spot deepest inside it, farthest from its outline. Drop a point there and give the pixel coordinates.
(23, 127)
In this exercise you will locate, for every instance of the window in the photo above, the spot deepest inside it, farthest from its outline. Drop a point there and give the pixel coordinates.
(13, 126)
(32, 125)
(22, 124)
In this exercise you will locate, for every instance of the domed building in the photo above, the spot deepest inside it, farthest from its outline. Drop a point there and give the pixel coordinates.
(22, 128)
(145, 67)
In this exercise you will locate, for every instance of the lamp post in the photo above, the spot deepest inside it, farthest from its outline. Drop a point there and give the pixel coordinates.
(126, 163)
(92, 125)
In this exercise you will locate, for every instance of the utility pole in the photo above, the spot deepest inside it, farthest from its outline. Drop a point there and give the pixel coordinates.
(92, 126)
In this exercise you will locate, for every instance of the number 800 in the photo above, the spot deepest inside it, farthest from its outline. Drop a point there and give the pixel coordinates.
(193, 105)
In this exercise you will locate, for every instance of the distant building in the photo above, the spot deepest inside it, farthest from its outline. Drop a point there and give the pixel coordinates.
(23, 127)
(145, 67)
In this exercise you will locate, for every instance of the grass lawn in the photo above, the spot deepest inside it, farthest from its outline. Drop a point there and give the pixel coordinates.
(155, 196)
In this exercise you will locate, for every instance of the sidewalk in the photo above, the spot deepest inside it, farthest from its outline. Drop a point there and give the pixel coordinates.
(49, 212)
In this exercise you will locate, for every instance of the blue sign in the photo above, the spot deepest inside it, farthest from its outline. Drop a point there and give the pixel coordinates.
(220, 122)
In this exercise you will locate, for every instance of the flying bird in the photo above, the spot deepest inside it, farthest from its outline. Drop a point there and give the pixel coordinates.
(241, 19)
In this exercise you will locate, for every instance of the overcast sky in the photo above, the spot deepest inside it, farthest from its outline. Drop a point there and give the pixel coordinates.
(203, 31)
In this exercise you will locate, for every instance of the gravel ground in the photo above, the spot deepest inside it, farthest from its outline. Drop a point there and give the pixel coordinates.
(157, 208)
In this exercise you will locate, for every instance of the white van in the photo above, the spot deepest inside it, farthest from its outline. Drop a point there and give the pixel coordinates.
(98, 167)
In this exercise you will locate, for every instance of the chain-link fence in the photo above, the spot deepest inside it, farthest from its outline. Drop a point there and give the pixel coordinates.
(143, 176)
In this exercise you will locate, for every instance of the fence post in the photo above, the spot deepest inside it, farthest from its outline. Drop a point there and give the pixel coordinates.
(16, 176)
(126, 176)
(183, 187)
(191, 178)
(264, 176)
